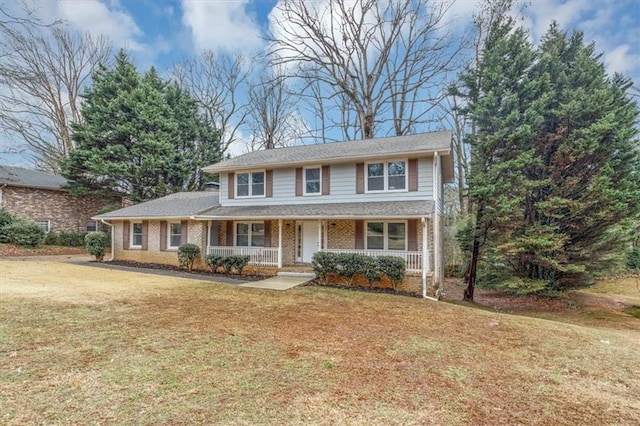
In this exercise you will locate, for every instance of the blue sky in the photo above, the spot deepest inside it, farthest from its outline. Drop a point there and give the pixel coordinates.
(160, 32)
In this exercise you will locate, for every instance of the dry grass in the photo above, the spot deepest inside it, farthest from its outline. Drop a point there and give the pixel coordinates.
(88, 345)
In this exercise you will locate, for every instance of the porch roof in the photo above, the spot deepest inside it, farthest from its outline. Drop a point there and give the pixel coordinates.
(362, 210)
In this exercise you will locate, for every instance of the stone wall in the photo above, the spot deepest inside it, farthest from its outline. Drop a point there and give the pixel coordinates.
(66, 212)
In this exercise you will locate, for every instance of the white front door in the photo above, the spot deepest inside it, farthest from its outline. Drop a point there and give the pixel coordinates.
(310, 242)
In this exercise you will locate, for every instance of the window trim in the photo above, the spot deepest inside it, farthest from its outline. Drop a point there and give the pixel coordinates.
(132, 226)
(249, 235)
(169, 235)
(304, 181)
(250, 173)
(385, 234)
(385, 175)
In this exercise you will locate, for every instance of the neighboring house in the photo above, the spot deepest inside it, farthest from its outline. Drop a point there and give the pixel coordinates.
(44, 198)
(376, 197)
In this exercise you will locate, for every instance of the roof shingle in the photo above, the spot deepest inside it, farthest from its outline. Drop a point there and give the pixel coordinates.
(27, 178)
(178, 205)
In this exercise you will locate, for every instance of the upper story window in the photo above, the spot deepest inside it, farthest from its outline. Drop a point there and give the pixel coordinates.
(250, 234)
(136, 234)
(387, 176)
(386, 236)
(174, 235)
(312, 180)
(250, 184)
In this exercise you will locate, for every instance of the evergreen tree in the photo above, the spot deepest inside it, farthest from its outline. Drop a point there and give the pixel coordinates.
(140, 137)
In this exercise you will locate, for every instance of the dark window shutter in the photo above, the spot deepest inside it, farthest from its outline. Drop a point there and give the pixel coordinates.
(163, 235)
(126, 235)
(267, 233)
(229, 233)
(360, 178)
(359, 234)
(184, 231)
(231, 183)
(299, 182)
(326, 179)
(268, 191)
(145, 234)
(413, 174)
(412, 234)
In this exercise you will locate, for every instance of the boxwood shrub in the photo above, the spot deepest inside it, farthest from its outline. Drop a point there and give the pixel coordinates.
(187, 255)
(227, 263)
(23, 233)
(96, 244)
(348, 265)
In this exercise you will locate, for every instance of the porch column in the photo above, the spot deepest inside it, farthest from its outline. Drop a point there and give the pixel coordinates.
(425, 255)
(279, 243)
(319, 234)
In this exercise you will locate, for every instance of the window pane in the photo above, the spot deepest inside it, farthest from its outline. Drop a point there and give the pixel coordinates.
(396, 168)
(175, 228)
(137, 228)
(312, 181)
(174, 234)
(375, 243)
(375, 169)
(175, 241)
(242, 240)
(313, 187)
(92, 226)
(257, 234)
(243, 185)
(257, 228)
(258, 184)
(375, 184)
(396, 182)
(242, 228)
(312, 174)
(137, 240)
(397, 174)
(243, 178)
(397, 236)
(375, 235)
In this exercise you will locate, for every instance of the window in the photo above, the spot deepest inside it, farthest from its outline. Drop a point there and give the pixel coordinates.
(312, 181)
(386, 236)
(174, 235)
(250, 184)
(44, 224)
(136, 234)
(250, 234)
(91, 226)
(391, 176)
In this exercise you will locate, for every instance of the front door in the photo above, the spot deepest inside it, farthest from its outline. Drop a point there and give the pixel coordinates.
(310, 242)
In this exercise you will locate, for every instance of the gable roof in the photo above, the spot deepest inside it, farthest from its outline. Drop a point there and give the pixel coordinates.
(27, 178)
(338, 151)
(178, 205)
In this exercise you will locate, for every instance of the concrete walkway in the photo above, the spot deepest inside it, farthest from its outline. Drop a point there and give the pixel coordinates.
(277, 283)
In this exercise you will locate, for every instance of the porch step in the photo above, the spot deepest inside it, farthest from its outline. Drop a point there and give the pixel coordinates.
(309, 275)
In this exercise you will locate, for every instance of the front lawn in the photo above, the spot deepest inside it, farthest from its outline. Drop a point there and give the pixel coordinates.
(80, 344)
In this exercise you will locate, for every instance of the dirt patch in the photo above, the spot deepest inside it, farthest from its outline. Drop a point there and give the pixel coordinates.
(195, 272)
(10, 250)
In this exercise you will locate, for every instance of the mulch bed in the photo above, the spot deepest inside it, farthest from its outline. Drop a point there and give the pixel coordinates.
(385, 290)
(160, 266)
(17, 251)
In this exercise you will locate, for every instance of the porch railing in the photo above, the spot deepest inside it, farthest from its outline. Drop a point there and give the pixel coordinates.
(267, 256)
(413, 259)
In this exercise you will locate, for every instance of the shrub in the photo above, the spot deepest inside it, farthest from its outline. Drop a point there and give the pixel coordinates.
(393, 267)
(23, 233)
(633, 258)
(96, 244)
(187, 255)
(348, 265)
(238, 262)
(5, 219)
(51, 239)
(324, 263)
(214, 261)
(71, 238)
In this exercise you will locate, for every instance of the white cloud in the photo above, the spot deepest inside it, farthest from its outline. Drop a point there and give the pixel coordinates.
(621, 60)
(543, 12)
(221, 25)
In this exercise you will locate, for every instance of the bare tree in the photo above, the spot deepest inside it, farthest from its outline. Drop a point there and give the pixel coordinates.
(42, 73)
(218, 82)
(273, 118)
(381, 63)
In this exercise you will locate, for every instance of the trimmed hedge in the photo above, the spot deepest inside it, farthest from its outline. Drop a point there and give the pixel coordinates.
(187, 255)
(96, 244)
(348, 265)
(23, 233)
(227, 263)
(5, 219)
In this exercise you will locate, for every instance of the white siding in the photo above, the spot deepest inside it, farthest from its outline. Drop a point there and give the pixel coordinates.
(343, 188)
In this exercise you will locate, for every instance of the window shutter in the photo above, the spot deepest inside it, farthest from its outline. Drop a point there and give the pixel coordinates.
(413, 174)
(145, 234)
(163, 235)
(360, 178)
(184, 231)
(126, 235)
(229, 233)
(267, 233)
(326, 179)
(359, 234)
(268, 178)
(412, 235)
(231, 183)
(299, 182)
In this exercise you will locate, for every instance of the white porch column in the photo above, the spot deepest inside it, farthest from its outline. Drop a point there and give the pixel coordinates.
(425, 255)
(319, 234)
(279, 243)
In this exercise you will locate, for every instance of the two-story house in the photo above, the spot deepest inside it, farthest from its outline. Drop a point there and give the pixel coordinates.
(375, 197)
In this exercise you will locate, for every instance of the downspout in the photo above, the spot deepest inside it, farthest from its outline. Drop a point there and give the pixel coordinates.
(113, 239)
(425, 260)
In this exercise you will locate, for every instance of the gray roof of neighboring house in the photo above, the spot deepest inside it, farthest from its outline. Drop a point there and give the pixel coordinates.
(178, 205)
(338, 151)
(17, 176)
(382, 209)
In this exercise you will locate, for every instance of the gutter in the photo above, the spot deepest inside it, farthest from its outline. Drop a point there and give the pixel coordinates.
(425, 261)
(113, 239)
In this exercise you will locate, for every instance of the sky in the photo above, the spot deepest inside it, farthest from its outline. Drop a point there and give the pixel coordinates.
(161, 32)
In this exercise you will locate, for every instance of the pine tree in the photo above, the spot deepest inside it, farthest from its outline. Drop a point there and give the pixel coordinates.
(140, 137)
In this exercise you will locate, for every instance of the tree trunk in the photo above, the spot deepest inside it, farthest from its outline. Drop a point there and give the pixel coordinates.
(472, 270)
